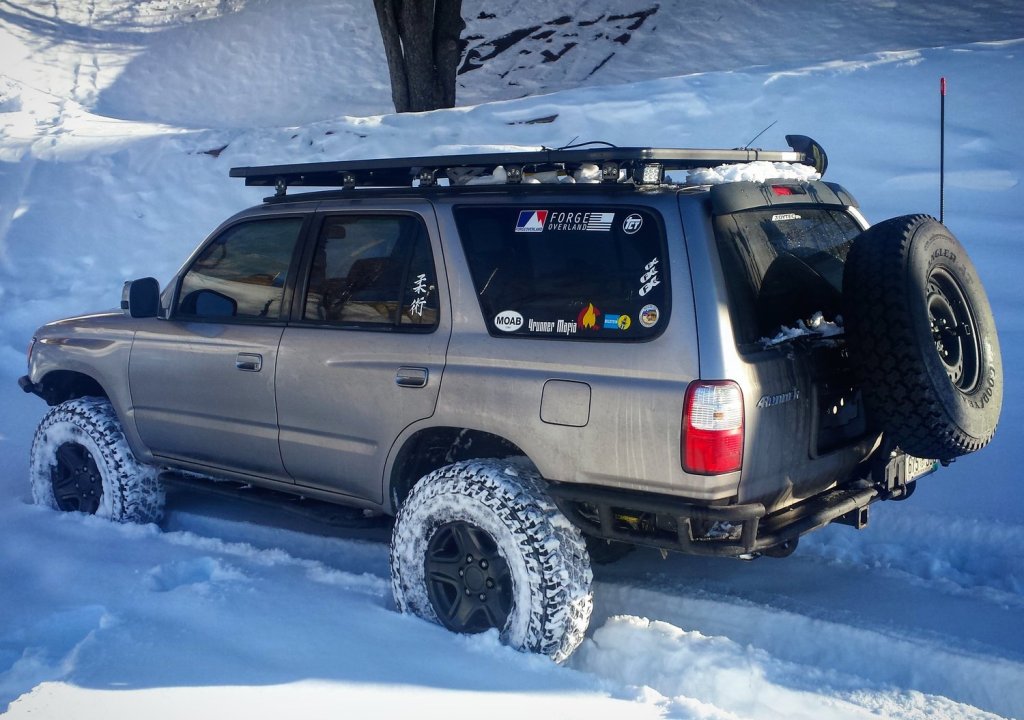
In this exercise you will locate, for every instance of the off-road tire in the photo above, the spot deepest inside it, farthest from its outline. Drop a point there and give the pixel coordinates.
(81, 461)
(545, 569)
(921, 334)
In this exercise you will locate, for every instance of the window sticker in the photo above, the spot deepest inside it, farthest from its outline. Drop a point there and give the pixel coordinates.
(649, 316)
(558, 327)
(785, 216)
(586, 221)
(508, 321)
(589, 318)
(650, 279)
(617, 322)
(531, 221)
(420, 290)
(632, 224)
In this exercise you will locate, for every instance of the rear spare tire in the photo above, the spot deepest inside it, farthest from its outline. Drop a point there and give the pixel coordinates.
(480, 545)
(920, 330)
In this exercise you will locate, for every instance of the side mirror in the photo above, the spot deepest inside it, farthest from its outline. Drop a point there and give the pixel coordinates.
(141, 298)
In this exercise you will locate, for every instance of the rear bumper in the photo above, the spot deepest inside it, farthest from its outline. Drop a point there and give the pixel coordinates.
(669, 523)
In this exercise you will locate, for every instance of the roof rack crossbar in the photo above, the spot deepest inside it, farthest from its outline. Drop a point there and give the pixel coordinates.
(608, 162)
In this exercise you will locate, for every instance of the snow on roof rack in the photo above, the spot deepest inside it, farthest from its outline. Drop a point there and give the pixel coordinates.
(640, 165)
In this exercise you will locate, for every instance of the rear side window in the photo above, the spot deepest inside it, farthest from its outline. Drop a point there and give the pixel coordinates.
(373, 271)
(241, 274)
(594, 273)
(782, 265)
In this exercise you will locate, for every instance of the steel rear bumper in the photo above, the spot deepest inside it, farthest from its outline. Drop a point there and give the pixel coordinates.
(683, 526)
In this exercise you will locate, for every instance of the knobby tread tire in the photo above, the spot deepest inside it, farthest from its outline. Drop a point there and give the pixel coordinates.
(906, 389)
(546, 554)
(131, 490)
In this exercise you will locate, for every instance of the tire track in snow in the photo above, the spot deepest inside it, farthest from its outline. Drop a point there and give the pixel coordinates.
(852, 659)
(846, 656)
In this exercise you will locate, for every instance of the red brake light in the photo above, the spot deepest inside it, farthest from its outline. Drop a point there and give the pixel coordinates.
(782, 190)
(712, 427)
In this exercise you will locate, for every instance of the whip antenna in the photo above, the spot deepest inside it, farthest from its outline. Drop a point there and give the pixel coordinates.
(942, 148)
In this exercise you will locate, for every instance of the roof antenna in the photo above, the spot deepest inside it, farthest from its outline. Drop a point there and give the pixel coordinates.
(942, 148)
(747, 146)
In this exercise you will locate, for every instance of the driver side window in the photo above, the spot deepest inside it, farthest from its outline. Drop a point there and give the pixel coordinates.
(241, 274)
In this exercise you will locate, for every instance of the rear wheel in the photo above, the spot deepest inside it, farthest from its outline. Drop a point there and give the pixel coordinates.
(81, 462)
(480, 545)
(921, 331)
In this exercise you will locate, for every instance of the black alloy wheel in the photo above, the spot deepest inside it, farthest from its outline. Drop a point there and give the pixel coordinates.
(77, 485)
(468, 581)
(953, 330)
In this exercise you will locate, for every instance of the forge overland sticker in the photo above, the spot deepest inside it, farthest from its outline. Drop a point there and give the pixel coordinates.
(649, 316)
(586, 221)
(531, 221)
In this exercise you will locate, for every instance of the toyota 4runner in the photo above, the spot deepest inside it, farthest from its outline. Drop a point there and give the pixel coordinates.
(533, 360)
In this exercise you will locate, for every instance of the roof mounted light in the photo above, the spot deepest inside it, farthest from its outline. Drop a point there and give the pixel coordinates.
(651, 174)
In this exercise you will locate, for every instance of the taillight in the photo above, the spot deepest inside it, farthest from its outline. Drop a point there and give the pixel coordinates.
(712, 427)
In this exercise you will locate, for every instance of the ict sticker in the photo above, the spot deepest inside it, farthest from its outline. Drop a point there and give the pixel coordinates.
(632, 224)
(589, 318)
(650, 279)
(649, 316)
(531, 221)
(785, 216)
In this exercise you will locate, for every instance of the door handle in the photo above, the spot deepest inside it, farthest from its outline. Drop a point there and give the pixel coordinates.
(250, 362)
(413, 377)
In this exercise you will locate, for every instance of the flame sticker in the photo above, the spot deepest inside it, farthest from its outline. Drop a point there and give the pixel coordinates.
(588, 317)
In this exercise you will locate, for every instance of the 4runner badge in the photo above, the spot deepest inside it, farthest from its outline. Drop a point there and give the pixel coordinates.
(772, 400)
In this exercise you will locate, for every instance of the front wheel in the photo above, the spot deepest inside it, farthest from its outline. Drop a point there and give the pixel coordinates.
(81, 462)
(480, 545)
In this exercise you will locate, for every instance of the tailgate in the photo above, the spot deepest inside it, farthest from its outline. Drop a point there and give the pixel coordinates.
(781, 246)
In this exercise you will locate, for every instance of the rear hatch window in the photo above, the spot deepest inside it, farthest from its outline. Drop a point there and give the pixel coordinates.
(568, 272)
(782, 265)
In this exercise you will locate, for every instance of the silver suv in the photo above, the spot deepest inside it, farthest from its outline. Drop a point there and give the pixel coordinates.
(535, 360)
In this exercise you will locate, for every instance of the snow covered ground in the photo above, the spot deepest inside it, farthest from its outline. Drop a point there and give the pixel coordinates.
(118, 123)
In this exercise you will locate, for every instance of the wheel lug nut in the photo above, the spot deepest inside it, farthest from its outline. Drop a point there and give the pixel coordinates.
(469, 559)
(483, 598)
(468, 591)
(461, 573)
(483, 564)
(490, 584)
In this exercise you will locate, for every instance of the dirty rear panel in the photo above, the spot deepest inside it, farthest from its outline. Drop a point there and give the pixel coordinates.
(774, 258)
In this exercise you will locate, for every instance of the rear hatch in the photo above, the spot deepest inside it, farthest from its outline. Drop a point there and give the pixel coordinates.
(782, 246)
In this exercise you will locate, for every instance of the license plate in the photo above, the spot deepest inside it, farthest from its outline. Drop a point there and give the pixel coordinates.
(915, 467)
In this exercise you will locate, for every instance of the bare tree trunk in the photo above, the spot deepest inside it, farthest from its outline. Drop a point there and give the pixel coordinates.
(421, 43)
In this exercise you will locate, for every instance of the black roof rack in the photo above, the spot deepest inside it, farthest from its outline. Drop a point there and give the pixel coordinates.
(640, 165)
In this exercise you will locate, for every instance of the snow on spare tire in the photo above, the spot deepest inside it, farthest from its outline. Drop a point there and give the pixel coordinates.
(920, 330)
(479, 544)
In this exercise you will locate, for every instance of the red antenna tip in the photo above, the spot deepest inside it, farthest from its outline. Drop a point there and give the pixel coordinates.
(942, 86)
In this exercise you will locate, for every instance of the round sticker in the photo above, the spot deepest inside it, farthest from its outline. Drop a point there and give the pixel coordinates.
(649, 315)
(624, 322)
(632, 224)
